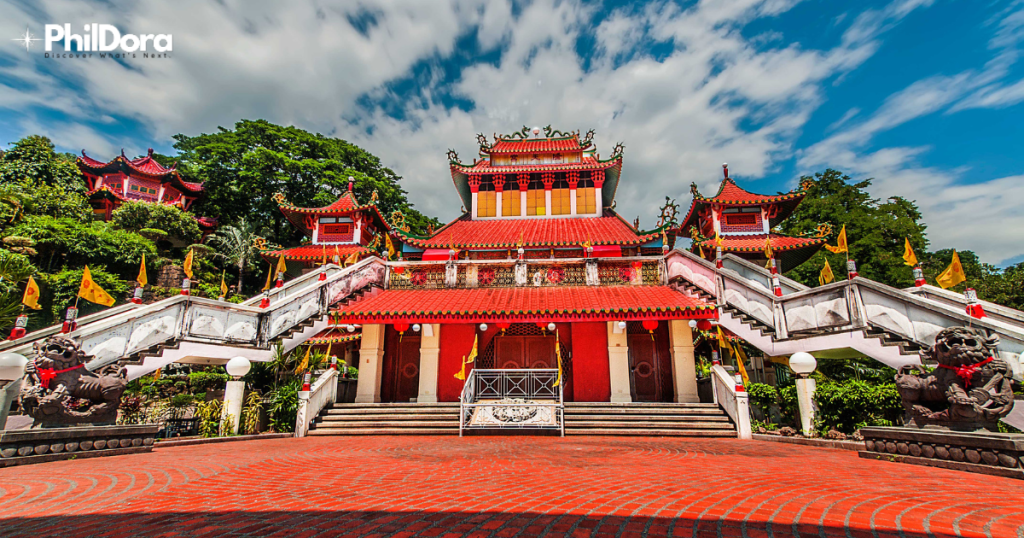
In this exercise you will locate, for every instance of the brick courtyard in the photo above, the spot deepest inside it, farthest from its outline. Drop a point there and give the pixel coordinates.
(502, 486)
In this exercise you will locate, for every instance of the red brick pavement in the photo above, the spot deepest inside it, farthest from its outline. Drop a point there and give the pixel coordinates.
(503, 487)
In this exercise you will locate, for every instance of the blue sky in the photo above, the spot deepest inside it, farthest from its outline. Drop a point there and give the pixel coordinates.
(923, 95)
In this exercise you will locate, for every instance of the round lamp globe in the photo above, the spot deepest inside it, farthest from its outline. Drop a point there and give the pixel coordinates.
(802, 363)
(238, 366)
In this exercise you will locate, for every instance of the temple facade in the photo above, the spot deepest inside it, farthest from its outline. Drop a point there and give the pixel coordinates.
(539, 272)
(743, 222)
(141, 179)
(343, 231)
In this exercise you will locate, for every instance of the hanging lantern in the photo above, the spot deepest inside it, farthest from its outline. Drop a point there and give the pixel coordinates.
(401, 327)
(541, 324)
(704, 325)
(650, 325)
(503, 325)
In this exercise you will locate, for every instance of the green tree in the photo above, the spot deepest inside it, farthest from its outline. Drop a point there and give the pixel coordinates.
(33, 158)
(61, 289)
(242, 168)
(70, 242)
(237, 245)
(875, 229)
(145, 217)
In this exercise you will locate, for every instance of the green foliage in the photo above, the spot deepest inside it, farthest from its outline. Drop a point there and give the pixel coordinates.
(33, 158)
(777, 400)
(136, 216)
(179, 406)
(875, 229)
(131, 410)
(762, 396)
(14, 268)
(209, 414)
(56, 201)
(851, 405)
(63, 288)
(284, 406)
(251, 413)
(64, 241)
(203, 381)
(245, 166)
(237, 246)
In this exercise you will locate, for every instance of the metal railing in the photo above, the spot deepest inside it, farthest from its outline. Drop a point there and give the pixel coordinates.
(313, 401)
(512, 398)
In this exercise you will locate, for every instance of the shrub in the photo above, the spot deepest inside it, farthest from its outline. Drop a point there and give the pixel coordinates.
(851, 405)
(284, 406)
(203, 381)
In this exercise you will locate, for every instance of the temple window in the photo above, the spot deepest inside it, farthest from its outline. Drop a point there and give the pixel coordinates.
(557, 158)
(535, 159)
(486, 198)
(742, 220)
(510, 203)
(586, 202)
(561, 198)
(514, 159)
(535, 200)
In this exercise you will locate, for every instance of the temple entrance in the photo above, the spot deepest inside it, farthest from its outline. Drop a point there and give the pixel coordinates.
(650, 368)
(525, 345)
(401, 376)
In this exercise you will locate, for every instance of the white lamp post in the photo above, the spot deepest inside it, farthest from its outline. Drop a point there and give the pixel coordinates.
(234, 392)
(802, 365)
(12, 368)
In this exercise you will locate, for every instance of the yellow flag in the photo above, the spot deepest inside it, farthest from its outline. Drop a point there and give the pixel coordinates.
(461, 374)
(305, 362)
(472, 352)
(390, 245)
(723, 342)
(768, 248)
(908, 254)
(31, 298)
(141, 279)
(520, 243)
(324, 260)
(701, 249)
(953, 275)
(282, 266)
(187, 266)
(840, 243)
(826, 275)
(156, 374)
(558, 357)
(90, 291)
(741, 357)
(223, 285)
(353, 258)
(270, 278)
(718, 239)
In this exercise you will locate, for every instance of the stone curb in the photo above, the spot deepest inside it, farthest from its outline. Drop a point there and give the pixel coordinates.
(820, 443)
(77, 455)
(208, 440)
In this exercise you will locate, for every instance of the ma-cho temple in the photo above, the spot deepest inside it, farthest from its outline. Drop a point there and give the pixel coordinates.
(541, 307)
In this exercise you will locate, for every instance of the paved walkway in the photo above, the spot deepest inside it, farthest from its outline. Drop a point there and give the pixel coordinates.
(503, 486)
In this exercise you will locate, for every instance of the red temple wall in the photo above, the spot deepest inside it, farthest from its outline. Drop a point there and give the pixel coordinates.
(591, 378)
(456, 342)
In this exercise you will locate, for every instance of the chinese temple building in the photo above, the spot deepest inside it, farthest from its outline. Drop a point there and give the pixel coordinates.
(140, 179)
(338, 230)
(539, 272)
(744, 221)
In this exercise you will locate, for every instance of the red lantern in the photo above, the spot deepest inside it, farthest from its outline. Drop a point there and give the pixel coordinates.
(401, 327)
(704, 325)
(503, 325)
(542, 325)
(650, 325)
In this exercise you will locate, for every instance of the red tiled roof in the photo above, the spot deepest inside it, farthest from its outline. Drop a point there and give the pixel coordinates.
(106, 189)
(731, 193)
(314, 252)
(755, 242)
(333, 335)
(484, 166)
(526, 304)
(206, 222)
(145, 165)
(346, 203)
(543, 232)
(536, 145)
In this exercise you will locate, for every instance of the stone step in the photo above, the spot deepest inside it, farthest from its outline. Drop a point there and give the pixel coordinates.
(653, 433)
(643, 413)
(389, 416)
(386, 431)
(385, 424)
(643, 425)
(644, 405)
(650, 418)
(377, 411)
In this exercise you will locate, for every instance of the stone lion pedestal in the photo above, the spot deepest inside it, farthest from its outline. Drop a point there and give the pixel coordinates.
(73, 410)
(953, 410)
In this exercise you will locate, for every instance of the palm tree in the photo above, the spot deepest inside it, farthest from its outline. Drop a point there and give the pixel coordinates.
(237, 244)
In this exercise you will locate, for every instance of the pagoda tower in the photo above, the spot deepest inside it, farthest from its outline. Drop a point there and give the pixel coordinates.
(141, 179)
(340, 230)
(744, 222)
(549, 194)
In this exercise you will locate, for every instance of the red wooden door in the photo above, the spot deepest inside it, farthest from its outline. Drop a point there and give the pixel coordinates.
(407, 371)
(540, 352)
(509, 352)
(643, 366)
(512, 352)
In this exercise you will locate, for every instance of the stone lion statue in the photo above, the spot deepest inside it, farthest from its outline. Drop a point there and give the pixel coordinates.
(970, 388)
(59, 390)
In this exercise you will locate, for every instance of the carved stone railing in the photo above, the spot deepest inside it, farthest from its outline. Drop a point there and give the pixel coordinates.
(112, 337)
(533, 272)
(312, 402)
(735, 403)
(534, 394)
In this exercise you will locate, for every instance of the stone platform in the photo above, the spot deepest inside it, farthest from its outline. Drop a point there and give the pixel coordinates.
(999, 454)
(20, 447)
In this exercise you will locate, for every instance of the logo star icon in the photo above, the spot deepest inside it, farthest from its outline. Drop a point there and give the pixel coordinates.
(27, 39)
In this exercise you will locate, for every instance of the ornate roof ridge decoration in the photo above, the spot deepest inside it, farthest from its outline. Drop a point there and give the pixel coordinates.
(483, 166)
(756, 199)
(524, 135)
